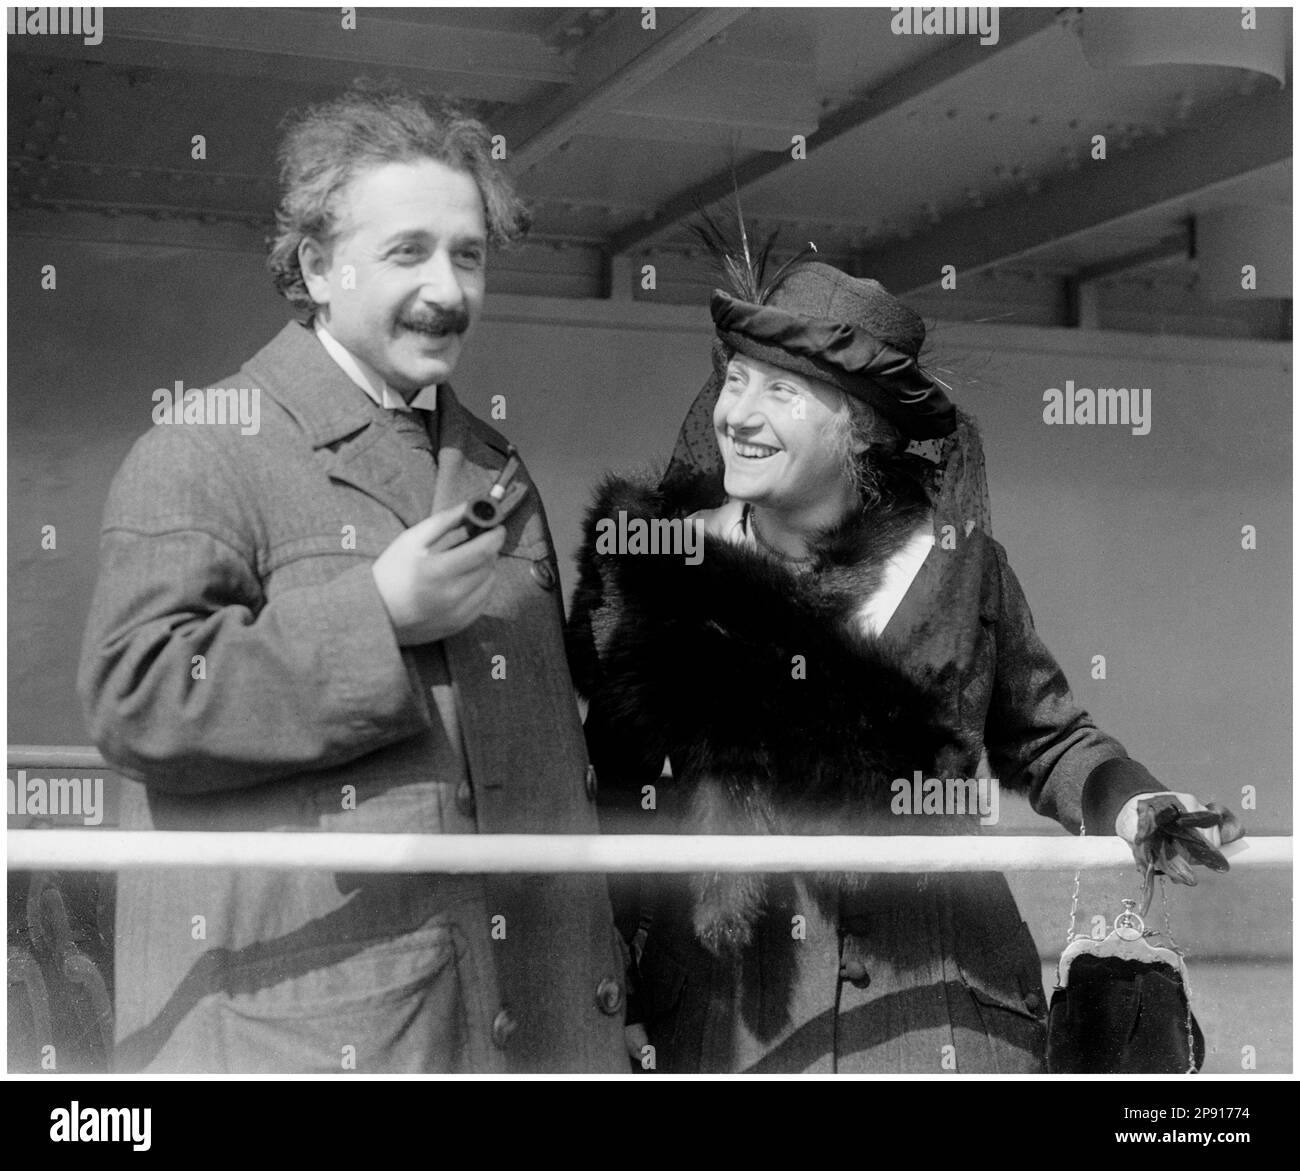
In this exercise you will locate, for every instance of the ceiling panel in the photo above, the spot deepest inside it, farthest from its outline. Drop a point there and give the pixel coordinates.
(931, 130)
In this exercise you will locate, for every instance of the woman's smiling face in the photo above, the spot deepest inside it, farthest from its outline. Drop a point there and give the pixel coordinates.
(777, 433)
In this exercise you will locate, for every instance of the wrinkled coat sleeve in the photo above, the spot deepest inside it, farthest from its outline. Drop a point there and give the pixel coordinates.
(623, 761)
(191, 678)
(1039, 740)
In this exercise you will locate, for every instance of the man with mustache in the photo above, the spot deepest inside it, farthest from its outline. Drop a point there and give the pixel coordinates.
(293, 630)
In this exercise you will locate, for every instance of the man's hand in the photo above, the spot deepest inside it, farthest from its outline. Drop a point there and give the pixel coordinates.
(636, 1039)
(432, 594)
(1174, 831)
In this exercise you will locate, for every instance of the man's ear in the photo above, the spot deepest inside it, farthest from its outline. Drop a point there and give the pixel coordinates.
(314, 260)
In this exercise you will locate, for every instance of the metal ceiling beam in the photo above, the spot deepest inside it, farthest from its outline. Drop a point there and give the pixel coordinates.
(1016, 24)
(1182, 247)
(622, 59)
(1082, 307)
(298, 43)
(1233, 140)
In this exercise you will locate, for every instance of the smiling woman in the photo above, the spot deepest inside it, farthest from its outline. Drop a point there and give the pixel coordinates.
(797, 450)
(826, 646)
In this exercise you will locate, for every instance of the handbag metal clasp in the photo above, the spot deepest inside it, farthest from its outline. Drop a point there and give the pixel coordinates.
(1127, 941)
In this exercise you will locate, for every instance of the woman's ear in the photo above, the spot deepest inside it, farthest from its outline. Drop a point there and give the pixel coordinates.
(862, 424)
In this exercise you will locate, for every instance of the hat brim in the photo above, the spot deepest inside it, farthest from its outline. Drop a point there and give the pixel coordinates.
(863, 367)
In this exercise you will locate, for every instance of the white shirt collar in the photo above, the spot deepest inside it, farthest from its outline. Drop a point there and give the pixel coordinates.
(374, 386)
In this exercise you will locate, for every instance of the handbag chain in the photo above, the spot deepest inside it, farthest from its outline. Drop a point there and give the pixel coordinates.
(1074, 909)
(1187, 978)
(1169, 935)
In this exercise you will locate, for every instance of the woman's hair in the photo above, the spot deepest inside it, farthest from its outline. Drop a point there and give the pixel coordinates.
(326, 146)
(863, 424)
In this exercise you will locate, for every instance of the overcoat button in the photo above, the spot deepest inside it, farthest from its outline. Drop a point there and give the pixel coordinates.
(591, 782)
(855, 972)
(465, 799)
(503, 1028)
(543, 574)
(609, 996)
(1033, 1001)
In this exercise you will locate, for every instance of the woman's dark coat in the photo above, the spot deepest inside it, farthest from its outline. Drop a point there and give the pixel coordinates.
(778, 716)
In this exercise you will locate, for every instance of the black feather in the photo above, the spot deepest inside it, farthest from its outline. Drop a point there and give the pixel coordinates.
(741, 267)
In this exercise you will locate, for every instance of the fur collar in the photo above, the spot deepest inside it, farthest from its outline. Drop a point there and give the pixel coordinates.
(777, 715)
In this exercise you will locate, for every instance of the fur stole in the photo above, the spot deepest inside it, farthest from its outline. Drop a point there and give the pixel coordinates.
(777, 714)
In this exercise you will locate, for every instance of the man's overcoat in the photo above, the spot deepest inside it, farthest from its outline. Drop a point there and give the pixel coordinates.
(240, 664)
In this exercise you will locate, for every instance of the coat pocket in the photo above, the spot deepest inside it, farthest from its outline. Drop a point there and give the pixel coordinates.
(1005, 975)
(391, 1007)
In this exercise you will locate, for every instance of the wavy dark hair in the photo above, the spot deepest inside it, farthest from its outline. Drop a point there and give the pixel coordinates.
(327, 145)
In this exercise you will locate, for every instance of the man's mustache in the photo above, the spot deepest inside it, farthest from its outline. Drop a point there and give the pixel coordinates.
(438, 322)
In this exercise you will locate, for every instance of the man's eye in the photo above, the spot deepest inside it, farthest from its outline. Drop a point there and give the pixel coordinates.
(405, 251)
(471, 258)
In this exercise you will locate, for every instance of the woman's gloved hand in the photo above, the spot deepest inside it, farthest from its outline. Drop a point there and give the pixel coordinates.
(1170, 833)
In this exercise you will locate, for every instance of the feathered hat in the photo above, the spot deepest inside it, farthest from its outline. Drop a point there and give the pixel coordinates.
(815, 320)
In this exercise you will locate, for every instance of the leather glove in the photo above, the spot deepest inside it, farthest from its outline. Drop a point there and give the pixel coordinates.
(1170, 838)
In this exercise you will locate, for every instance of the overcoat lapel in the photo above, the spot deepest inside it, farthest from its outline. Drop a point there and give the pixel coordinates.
(467, 464)
(296, 371)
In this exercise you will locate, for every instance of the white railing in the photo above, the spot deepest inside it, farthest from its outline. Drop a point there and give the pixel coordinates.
(98, 849)
(106, 849)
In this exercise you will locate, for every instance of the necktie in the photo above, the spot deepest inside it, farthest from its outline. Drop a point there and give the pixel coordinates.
(410, 427)
(418, 459)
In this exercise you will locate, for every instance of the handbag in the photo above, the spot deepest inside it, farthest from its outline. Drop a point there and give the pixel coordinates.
(1121, 1005)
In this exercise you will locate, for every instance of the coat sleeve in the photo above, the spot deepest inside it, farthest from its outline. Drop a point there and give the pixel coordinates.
(1039, 740)
(624, 760)
(624, 757)
(192, 678)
